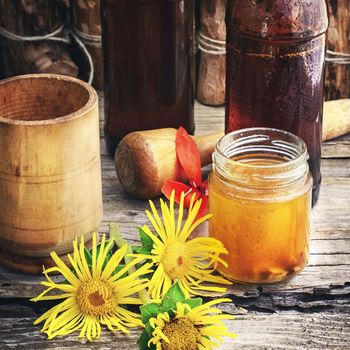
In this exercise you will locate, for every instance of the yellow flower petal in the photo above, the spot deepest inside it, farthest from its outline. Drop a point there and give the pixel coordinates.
(176, 257)
(185, 329)
(64, 270)
(114, 261)
(94, 294)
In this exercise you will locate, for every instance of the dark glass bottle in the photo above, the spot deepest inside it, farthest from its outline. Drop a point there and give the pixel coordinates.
(275, 69)
(149, 66)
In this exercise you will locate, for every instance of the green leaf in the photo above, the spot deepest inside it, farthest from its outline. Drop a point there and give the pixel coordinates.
(144, 249)
(119, 268)
(134, 248)
(148, 311)
(149, 328)
(145, 239)
(148, 276)
(88, 256)
(115, 234)
(143, 341)
(171, 297)
(194, 302)
(98, 248)
(108, 257)
(171, 313)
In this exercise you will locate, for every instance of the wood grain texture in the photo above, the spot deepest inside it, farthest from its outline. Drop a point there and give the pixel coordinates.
(144, 160)
(43, 184)
(310, 311)
(292, 331)
(87, 19)
(336, 118)
(34, 18)
(212, 68)
(338, 75)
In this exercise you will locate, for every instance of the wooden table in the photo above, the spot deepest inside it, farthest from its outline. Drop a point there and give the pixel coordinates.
(311, 311)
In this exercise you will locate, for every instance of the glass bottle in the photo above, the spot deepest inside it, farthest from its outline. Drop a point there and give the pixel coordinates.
(260, 198)
(275, 69)
(149, 66)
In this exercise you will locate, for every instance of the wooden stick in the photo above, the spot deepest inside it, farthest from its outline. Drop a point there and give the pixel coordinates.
(34, 18)
(86, 14)
(338, 75)
(212, 69)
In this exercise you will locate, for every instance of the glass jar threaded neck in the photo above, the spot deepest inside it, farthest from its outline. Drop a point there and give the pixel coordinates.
(261, 158)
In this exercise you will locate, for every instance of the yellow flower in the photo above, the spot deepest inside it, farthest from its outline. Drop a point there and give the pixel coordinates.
(178, 258)
(190, 329)
(92, 295)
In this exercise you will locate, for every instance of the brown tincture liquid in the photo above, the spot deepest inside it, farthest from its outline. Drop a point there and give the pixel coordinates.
(149, 66)
(275, 69)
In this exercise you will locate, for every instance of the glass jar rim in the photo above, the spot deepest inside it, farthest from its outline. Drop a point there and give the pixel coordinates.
(285, 146)
(241, 133)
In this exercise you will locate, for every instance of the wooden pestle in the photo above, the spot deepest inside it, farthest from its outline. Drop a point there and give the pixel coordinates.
(144, 160)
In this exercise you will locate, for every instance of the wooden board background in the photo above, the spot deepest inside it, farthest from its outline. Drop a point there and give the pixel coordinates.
(311, 311)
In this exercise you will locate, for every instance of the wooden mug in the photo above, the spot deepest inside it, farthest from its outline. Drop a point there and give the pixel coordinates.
(50, 173)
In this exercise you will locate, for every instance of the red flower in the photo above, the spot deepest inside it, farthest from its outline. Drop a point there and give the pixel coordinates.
(189, 158)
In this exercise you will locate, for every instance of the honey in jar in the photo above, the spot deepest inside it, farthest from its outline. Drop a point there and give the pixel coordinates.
(260, 193)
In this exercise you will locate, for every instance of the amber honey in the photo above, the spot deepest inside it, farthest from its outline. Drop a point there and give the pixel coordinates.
(260, 198)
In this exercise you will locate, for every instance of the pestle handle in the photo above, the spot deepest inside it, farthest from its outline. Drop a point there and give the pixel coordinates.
(336, 119)
(206, 146)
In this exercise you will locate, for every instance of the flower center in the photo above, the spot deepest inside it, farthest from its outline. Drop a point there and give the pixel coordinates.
(95, 298)
(182, 333)
(176, 260)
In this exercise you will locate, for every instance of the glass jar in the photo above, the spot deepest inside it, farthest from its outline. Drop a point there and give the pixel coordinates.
(148, 50)
(275, 69)
(260, 198)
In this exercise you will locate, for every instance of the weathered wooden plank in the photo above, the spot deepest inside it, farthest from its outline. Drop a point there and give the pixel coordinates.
(332, 211)
(255, 331)
(329, 259)
(330, 235)
(310, 311)
(294, 331)
(13, 285)
(319, 233)
(336, 149)
(335, 168)
(334, 299)
(331, 168)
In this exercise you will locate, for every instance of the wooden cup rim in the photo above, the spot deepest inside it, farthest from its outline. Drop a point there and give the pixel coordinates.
(89, 105)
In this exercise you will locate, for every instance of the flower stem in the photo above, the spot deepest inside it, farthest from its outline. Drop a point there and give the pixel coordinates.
(115, 234)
